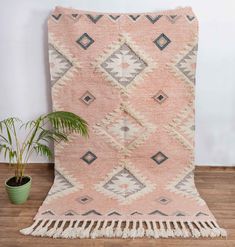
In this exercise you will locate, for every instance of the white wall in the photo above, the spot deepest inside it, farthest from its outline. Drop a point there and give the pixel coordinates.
(24, 75)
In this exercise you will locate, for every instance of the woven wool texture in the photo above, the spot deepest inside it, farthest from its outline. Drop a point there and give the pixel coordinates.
(131, 77)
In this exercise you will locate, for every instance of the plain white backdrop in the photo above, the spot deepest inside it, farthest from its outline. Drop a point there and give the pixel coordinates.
(24, 75)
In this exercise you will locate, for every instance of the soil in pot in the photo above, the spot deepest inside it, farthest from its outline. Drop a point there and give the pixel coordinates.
(12, 181)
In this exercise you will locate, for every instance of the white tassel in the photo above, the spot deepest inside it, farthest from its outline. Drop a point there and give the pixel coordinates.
(195, 232)
(102, 230)
(185, 232)
(37, 231)
(76, 229)
(201, 229)
(223, 232)
(52, 231)
(205, 229)
(67, 232)
(96, 232)
(162, 230)
(149, 231)
(30, 229)
(156, 230)
(126, 230)
(80, 229)
(118, 230)
(109, 231)
(59, 230)
(86, 231)
(169, 231)
(140, 230)
(177, 231)
(133, 231)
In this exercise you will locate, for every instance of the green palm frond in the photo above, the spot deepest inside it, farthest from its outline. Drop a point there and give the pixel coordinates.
(68, 122)
(43, 150)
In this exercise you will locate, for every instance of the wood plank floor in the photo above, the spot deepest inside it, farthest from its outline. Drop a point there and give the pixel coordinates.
(215, 184)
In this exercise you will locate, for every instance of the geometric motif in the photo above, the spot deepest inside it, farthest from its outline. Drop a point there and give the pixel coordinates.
(184, 185)
(125, 184)
(134, 17)
(173, 18)
(162, 41)
(153, 19)
(190, 18)
(56, 17)
(87, 98)
(160, 97)
(187, 64)
(124, 64)
(114, 17)
(95, 18)
(159, 158)
(84, 199)
(124, 129)
(85, 41)
(163, 200)
(157, 212)
(182, 127)
(60, 184)
(89, 157)
(59, 64)
(64, 184)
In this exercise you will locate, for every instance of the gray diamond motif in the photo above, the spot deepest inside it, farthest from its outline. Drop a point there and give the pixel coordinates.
(162, 41)
(124, 184)
(85, 41)
(163, 200)
(89, 157)
(159, 158)
(124, 65)
(84, 199)
(87, 98)
(160, 97)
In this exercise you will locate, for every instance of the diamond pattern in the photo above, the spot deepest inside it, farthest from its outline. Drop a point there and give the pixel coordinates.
(124, 184)
(87, 98)
(159, 157)
(89, 157)
(160, 97)
(124, 65)
(125, 130)
(163, 200)
(85, 41)
(162, 41)
(84, 199)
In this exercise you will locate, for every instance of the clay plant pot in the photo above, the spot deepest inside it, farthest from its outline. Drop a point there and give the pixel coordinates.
(18, 194)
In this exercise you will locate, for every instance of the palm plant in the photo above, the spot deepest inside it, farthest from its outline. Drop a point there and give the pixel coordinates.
(55, 126)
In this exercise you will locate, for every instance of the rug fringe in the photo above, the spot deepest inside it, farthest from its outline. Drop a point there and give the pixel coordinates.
(123, 229)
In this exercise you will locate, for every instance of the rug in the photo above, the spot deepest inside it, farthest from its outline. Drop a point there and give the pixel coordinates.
(132, 77)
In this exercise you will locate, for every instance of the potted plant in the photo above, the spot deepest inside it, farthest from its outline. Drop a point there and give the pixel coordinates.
(55, 126)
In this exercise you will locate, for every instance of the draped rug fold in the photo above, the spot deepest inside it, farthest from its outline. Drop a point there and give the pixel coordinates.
(131, 76)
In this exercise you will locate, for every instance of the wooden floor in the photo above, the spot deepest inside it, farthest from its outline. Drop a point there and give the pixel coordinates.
(215, 184)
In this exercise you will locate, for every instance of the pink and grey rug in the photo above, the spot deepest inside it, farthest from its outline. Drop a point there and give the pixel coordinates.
(131, 76)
